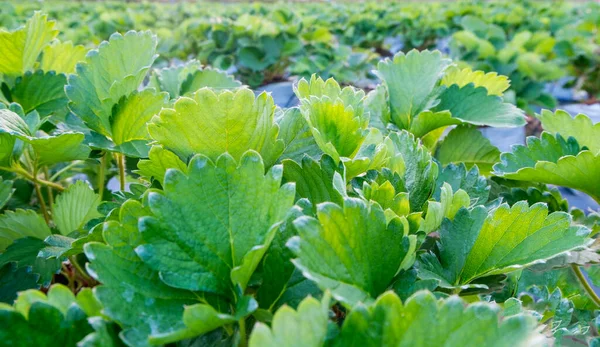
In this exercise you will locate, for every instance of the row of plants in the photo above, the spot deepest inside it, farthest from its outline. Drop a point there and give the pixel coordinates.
(348, 220)
(534, 43)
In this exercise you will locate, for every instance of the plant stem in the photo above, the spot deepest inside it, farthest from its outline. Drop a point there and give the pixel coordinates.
(101, 176)
(121, 163)
(242, 324)
(49, 192)
(63, 170)
(40, 197)
(73, 260)
(586, 285)
(30, 177)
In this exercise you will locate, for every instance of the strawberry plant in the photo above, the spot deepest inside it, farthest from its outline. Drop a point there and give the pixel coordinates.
(173, 205)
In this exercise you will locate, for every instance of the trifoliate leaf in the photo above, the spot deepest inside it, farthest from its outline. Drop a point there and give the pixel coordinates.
(216, 242)
(376, 104)
(62, 57)
(410, 80)
(208, 78)
(14, 279)
(414, 164)
(304, 327)
(20, 48)
(477, 243)
(474, 106)
(37, 320)
(341, 249)
(296, 136)
(211, 124)
(158, 162)
(388, 322)
(552, 160)
(24, 252)
(21, 223)
(76, 206)
(494, 83)
(467, 145)
(41, 91)
(580, 127)
(470, 181)
(152, 308)
(113, 71)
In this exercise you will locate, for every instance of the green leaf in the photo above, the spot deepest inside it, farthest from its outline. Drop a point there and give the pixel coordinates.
(62, 57)
(317, 181)
(449, 204)
(41, 91)
(6, 191)
(304, 327)
(214, 243)
(45, 146)
(341, 249)
(494, 83)
(470, 181)
(410, 80)
(413, 163)
(37, 320)
(113, 71)
(477, 243)
(21, 223)
(20, 48)
(580, 127)
(14, 279)
(158, 162)
(131, 114)
(208, 78)
(388, 322)
(213, 123)
(24, 252)
(169, 79)
(152, 307)
(552, 160)
(467, 145)
(296, 136)
(76, 206)
(474, 106)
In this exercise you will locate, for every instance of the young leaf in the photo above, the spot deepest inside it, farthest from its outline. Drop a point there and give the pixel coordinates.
(215, 243)
(390, 323)
(211, 124)
(477, 243)
(304, 327)
(113, 71)
(470, 181)
(76, 206)
(341, 249)
(20, 48)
